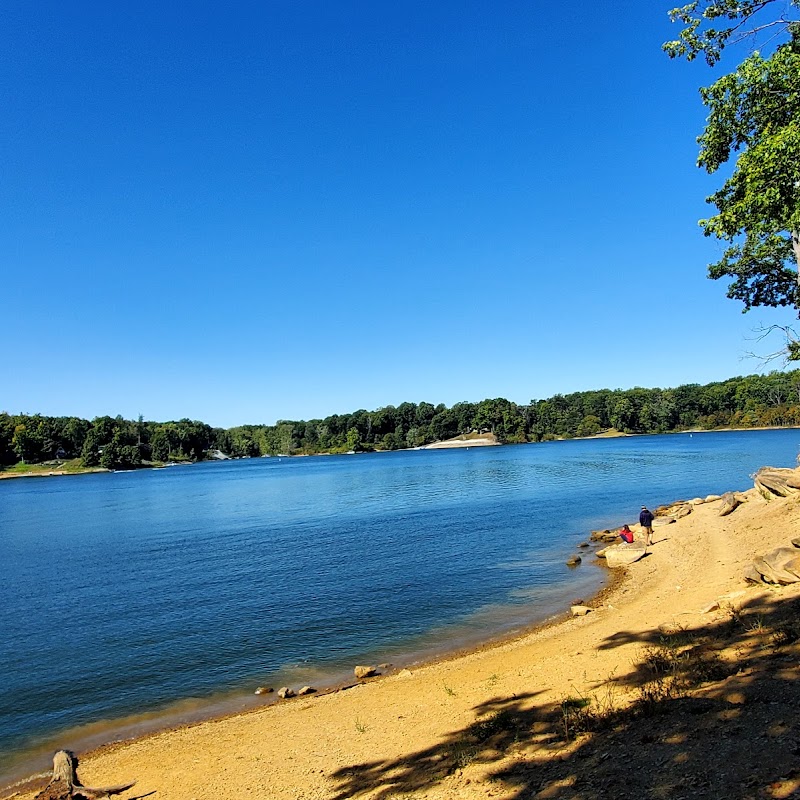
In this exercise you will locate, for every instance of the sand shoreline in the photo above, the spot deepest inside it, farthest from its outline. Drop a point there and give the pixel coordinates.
(312, 747)
(126, 730)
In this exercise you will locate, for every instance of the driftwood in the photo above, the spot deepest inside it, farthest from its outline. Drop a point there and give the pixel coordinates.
(65, 785)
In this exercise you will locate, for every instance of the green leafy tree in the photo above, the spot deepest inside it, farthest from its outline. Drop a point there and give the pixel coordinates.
(27, 443)
(589, 426)
(754, 117)
(354, 440)
(110, 457)
(713, 25)
(159, 445)
(7, 425)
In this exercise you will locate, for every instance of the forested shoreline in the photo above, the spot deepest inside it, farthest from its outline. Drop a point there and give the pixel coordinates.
(115, 443)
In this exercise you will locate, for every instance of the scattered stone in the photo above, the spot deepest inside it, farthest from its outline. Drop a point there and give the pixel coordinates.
(573, 561)
(796, 541)
(712, 498)
(579, 611)
(405, 673)
(364, 672)
(385, 666)
(264, 690)
(711, 607)
(584, 544)
(730, 502)
(306, 690)
(697, 501)
(284, 692)
(601, 553)
(620, 555)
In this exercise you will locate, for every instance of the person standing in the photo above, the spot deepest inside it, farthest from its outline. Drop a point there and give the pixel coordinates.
(646, 521)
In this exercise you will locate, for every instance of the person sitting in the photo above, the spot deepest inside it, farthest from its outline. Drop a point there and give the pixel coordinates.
(626, 534)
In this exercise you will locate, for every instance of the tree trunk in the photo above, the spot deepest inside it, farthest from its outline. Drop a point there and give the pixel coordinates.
(64, 785)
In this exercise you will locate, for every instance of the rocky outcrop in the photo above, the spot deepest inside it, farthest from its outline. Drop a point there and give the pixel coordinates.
(777, 481)
(579, 611)
(285, 692)
(573, 561)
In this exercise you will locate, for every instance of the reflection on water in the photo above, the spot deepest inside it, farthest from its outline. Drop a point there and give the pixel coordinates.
(204, 582)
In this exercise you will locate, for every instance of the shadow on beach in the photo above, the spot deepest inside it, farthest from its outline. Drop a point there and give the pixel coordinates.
(710, 711)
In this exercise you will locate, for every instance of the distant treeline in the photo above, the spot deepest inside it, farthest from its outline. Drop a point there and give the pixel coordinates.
(114, 442)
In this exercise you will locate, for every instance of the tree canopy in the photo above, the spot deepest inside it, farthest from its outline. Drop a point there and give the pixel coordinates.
(754, 118)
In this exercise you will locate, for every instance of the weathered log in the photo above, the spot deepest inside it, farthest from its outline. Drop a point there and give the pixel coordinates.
(65, 785)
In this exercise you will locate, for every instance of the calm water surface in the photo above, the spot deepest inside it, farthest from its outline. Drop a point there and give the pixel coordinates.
(128, 599)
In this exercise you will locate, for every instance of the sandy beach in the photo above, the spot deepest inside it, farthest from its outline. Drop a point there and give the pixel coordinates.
(596, 706)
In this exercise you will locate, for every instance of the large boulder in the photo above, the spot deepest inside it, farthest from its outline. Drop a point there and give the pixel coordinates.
(620, 555)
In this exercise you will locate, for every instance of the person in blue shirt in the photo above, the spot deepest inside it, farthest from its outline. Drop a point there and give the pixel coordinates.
(646, 521)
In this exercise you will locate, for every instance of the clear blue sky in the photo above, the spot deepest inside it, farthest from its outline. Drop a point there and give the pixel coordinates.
(251, 211)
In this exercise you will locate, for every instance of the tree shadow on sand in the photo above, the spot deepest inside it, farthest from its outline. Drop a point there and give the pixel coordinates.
(714, 714)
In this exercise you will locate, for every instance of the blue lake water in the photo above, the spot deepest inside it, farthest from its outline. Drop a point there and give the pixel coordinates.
(133, 599)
